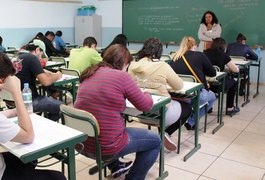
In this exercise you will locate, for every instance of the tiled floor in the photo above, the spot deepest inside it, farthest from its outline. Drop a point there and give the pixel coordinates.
(235, 152)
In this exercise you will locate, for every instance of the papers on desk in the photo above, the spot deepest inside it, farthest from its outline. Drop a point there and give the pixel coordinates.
(66, 77)
(47, 133)
(130, 109)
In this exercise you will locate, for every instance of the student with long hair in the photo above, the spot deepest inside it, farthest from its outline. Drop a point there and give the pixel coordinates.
(157, 75)
(202, 67)
(103, 90)
(218, 57)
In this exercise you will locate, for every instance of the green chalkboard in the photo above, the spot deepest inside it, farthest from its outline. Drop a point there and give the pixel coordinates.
(170, 20)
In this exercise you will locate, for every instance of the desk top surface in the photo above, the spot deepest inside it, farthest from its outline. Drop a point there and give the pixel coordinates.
(47, 134)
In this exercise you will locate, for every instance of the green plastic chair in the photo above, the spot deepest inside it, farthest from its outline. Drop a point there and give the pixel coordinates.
(87, 123)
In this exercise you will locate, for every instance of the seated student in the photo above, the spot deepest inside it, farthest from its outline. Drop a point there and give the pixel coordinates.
(58, 40)
(240, 48)
(2, 48)
(202, 67)
(12, 167)
(119, 39)
(158, 75)
(50, 49)
(31, 69)
(85, 56)
(103, 90)
(219, 58)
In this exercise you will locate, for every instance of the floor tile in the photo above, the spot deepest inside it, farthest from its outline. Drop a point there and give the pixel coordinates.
(198, 163)
(248, 148)
(223, 169)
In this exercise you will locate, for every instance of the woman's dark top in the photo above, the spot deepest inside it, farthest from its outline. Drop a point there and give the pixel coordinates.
(200, 64)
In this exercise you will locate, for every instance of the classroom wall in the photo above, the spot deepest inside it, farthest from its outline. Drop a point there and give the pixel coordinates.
(21, 20)
(30, 17)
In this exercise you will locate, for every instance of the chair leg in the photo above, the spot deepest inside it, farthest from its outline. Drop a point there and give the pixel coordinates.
(205, 122)
(179, 136)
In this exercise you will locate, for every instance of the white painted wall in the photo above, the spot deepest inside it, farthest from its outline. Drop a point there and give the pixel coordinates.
(110, 10)
(33, 14)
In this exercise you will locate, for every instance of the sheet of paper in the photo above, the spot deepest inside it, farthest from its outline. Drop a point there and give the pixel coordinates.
(46, 132)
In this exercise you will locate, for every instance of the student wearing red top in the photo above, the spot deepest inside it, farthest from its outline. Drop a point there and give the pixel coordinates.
(103, 90)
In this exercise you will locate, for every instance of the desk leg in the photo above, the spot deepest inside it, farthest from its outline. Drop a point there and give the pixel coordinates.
(162, 174)
(248, 83)
(237, 91)
(257, 91)
(197, 146)
(220, 114)
(74, 89)
(71, 163)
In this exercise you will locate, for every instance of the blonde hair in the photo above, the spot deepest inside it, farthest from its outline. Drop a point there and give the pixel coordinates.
(186, 44)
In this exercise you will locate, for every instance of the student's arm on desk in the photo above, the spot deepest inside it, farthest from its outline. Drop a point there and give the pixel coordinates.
(47, 78)
(232, 67)
(141, 100)
(173, 80)
(26, 132)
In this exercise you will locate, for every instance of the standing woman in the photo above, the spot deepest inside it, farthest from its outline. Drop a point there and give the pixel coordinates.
(209, 30)
(202, 67)
(157, 75)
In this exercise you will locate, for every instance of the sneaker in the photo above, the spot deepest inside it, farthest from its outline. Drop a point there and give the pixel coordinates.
(233, 111)
(169, 144)
(210, 111)
(189, 127)
(122, 168)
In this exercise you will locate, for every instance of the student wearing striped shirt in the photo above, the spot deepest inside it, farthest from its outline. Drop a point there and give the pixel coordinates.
(103, 90)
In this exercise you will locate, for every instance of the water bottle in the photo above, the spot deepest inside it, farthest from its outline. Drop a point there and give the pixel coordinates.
(27, 97)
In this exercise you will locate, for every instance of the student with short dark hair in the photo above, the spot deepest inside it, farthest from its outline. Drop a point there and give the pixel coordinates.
(32, 70)
(12, 167)
(86, 56)
(50, 49)
(58, 40)
(240, 48)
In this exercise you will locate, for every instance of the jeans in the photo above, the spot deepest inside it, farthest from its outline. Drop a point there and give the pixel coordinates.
(47, 105)
(205, 96)
(147, 146)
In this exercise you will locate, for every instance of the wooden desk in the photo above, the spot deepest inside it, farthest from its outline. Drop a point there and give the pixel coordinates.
(191, 88)
(244, 65)
(156, 113)
(50, 137)
(219, 80)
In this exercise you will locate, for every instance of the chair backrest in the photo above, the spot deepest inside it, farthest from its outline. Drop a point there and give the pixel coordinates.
(80, 120)
(188, 78)
(238, 58)
(72, 72)
(165, 57)
(217, 69)
(58, 59)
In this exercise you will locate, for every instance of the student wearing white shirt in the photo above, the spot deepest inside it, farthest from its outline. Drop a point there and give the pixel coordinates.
(22, 132)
